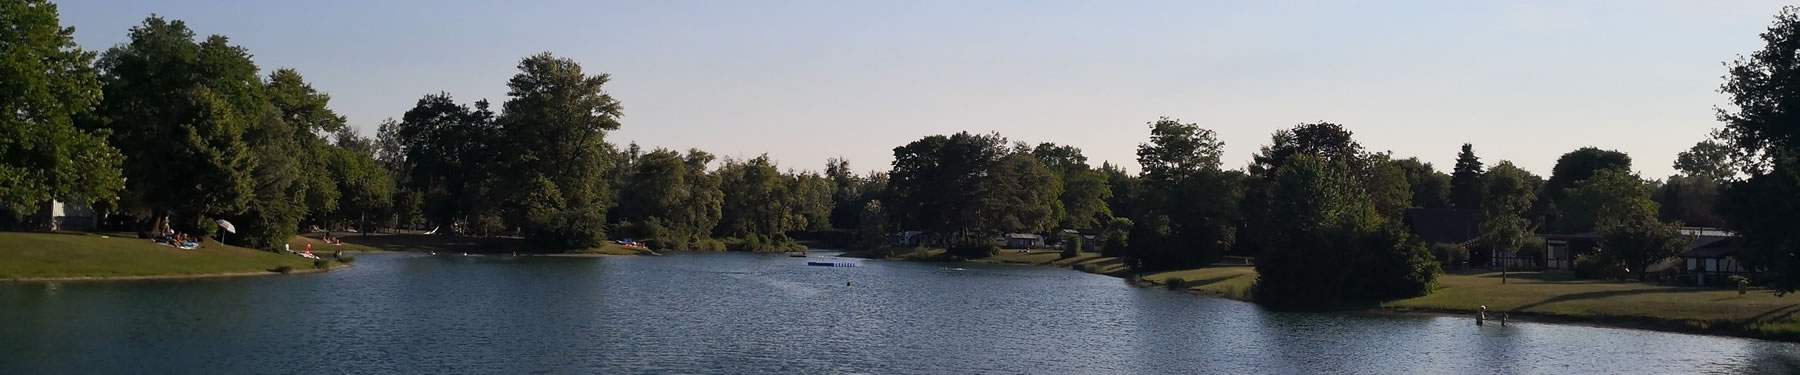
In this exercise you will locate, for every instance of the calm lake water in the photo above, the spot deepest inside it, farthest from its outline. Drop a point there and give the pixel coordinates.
(748, 313)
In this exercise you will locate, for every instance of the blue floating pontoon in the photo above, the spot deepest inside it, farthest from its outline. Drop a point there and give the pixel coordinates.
(831, 264)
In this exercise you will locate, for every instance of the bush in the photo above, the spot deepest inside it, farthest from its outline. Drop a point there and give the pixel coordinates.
(1176, 283)
(1071, 252)
(346, 259)
(1591, 266)
(974, 250)
(321, 263)
(1450, 256)
(709, 245)
(284, 269)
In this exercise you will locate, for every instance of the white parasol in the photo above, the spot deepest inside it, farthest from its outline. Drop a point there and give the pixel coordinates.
(227, 226)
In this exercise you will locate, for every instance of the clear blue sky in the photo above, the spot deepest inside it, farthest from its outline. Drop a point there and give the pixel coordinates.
(806, 80)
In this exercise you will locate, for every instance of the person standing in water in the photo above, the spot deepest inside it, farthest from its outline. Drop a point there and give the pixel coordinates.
(1481, 315)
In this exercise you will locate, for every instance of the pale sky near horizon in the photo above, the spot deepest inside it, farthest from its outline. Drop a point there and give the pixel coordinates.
(804, 80)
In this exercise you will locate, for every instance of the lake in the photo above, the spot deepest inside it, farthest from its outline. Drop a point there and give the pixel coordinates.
(752, 313)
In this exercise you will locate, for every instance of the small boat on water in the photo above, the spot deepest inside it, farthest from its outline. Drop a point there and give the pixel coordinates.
(798, 254)
(830, 264)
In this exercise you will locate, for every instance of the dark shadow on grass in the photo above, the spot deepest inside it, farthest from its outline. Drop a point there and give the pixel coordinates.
(1544, 276)
(1771, 314)
(1604, 294)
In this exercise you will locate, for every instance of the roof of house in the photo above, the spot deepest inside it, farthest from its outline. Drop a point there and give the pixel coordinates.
(1023, 236)
(1445, 225)
(1711, 247)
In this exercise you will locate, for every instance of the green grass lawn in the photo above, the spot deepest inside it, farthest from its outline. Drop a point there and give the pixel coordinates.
(1758, 312)
(299, 242)
(1227, 281)
(48, 255)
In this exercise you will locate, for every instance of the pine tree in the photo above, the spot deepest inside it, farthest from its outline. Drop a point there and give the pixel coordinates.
(1465, 181)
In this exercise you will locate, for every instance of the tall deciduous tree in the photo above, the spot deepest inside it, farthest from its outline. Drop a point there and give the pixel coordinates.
(1571, 169)
(1708, 160)
(1761, 134)
(1610, 196)
(1084, 190)
(1466, 187)
(934, 181)
(1020, 194)
(1430, 188)
(1507, 195)
(181, 131)
(48, 83)
(555, 122)
(1186, 207)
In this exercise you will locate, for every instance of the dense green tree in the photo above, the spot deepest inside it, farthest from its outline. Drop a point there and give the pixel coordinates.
(1707, 160)
(1766, 145)
(1329, 141)
(1640, 241)
(1084, 190)
(448, 155)
(1611, 195)
(1430, 188)
(1178, 151)
(1388, 187)
(1466, 187)
(48, 83)
(1020, 195)
(1571, 169)
(934, 182)
(1186, 210)
(1316, 209)
(555, 123)
(871, 230)
(756, 199)
(1690, 200)
(181, 131)
(1507, 196)
(810, 200)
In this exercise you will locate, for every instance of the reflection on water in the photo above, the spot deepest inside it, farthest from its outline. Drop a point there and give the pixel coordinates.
(747, 313)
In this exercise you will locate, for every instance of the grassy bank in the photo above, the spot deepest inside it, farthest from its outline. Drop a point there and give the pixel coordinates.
(30, 255)
(1557, 296)
(1531, 296)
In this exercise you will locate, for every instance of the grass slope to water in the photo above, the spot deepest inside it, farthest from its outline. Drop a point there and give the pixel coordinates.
(1759, 313)
(25, 255)
(1553, 296)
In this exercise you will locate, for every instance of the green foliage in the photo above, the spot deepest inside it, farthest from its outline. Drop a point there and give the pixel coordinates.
(1532, 250)
(1691, 200)
(1388, 187)
(810, 201)
(48, 83)
(1640, 242)
(346, 259)
(1610, 196)
(1430, 188)
(321, 264)
(1571, 169)
(933, 181)
(178, 110)
(1084, 190)
(1708, 160)
(974, 249)
(554, 127)
(1072, 247)
(1187, 209)
(1176, 283)
(1450, 256)
(1116, 238)
(1466, 188)
(1177, 151)
(756, 199)
(1506, 196)
(1020, 195)
(871, 227)
(283, 269)
(674, 193)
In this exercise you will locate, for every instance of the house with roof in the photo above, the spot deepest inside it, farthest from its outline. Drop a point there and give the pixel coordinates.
(1712, 256)
(1022, 241)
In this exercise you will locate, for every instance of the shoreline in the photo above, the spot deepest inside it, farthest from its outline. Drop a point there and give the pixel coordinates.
(218, 275)
(1721, 327)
